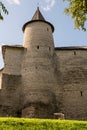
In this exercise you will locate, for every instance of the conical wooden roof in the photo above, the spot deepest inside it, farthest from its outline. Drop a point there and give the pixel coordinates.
(38, 15)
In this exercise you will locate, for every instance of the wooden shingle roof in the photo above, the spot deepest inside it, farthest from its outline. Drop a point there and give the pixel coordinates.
(38, 15)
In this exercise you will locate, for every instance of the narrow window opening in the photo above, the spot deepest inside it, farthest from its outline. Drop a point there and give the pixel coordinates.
(36, 67)
(81, 93)
(37, 47)
(49, 48)
(47, 29)
(74, 52)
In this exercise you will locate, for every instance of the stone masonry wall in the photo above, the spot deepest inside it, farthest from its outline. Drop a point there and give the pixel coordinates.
(12, 59)
(10, 95)
(57, 81)
(73, 67)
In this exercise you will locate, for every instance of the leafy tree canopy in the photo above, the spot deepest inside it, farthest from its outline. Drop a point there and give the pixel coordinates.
(2, 9)
(77, 9)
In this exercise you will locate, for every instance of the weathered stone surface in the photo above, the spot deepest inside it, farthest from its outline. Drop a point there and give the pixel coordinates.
(39, 80)
(73, 66)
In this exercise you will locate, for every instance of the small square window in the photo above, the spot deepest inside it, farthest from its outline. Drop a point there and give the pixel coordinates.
(37, 47)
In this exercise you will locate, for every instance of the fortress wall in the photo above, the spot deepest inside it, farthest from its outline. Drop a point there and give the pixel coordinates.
(10, 95)
(73, 66)
(13, 59)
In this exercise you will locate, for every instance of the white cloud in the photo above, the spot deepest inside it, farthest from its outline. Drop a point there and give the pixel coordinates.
(14, 1)
(49, 4)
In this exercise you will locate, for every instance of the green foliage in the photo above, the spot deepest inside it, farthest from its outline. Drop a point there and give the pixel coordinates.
(40, 124)
(2, 8)
(78, 11)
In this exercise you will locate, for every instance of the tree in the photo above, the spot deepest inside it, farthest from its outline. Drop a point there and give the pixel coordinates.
(2, 9)
(78, 11)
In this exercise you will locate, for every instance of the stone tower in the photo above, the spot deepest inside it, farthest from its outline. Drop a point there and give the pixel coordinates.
(38, 69)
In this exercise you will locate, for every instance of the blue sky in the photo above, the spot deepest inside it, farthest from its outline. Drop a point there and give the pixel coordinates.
(21, 11)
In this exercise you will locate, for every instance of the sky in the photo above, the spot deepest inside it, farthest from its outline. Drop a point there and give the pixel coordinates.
(21, 11)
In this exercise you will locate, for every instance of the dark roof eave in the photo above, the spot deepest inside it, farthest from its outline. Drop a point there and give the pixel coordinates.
(14, 46)
(72, 48)
(32, 21)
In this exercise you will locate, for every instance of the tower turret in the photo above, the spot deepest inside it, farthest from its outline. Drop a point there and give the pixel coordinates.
(37, 30)
(38, 70)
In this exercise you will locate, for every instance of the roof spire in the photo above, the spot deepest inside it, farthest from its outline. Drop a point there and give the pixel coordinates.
(38, 8)
(38, 15)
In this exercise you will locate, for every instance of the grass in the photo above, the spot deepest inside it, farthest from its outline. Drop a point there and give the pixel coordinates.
(41, 124)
